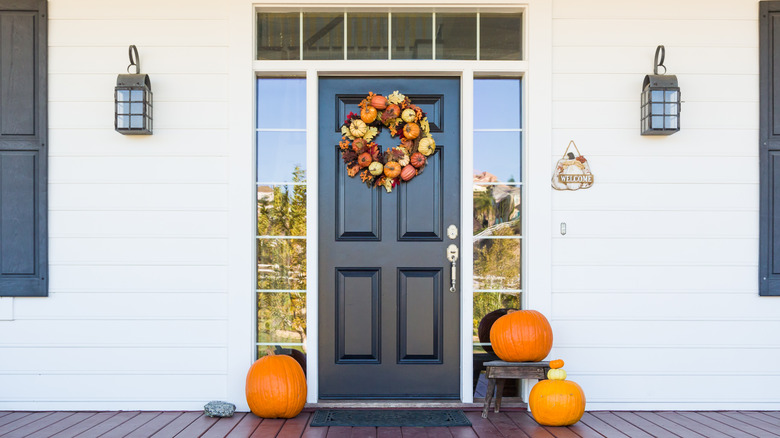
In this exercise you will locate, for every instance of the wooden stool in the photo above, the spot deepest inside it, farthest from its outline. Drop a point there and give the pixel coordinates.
(498, 370)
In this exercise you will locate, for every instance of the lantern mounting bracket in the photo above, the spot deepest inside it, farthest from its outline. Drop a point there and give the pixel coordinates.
(135, 61)
(660, 50)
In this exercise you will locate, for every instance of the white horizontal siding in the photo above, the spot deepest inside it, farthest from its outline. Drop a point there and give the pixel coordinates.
(137, 314)
(655, 302)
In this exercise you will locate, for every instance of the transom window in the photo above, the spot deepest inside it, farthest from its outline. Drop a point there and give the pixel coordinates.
(389, 35)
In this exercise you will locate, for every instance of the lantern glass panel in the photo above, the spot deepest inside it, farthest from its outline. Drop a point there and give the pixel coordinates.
(657, 122)
(137, 95)
(657, 108)
(671, 108)
(136, 108)
(136, 121)
(657, 95)
(123, 121)
(123, 95)
(671, 96)
(671, 122)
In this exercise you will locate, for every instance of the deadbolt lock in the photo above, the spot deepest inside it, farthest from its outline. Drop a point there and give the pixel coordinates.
(452, 232)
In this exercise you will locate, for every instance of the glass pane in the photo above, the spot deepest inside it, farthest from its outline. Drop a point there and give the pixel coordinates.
(122, 108)
(136, 108)
(281, 317)
(323, 36)
(456, 36)
(412, 36)
(281, 210)
(670, 108)
(497, 104)
(122, 121)
(280, 156)
(281, 103)
(136, 121)
(281, 264)
(298, 352)
(366, 36)
(657, 122)
(500, 36)
(278, 36)
(488, 307)
(137, 95)
(657, 95)
(671, 96)
(657, 108)
(496, 210)
(123, 95)
(497, 157)
(497, 263)
(671, 122)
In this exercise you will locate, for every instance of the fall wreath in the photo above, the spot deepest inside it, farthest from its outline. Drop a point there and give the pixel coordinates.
(401, 163)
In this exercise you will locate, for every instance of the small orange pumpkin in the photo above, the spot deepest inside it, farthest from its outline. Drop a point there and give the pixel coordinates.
(379, 102)
(408, 172)
(392, 169)
(417, 159)
(368, 114)
(411, 130)
(557, 363)
(364, 160)
(522, 336)
(557, 402)
(276, 387)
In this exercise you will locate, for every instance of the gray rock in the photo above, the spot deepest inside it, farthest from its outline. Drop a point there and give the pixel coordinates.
(219, 409)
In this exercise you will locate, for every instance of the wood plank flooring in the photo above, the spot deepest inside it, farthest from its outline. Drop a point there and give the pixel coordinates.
(511, 424)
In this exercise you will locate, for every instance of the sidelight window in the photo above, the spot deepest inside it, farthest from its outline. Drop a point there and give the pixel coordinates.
(497, 214)
(281, 216)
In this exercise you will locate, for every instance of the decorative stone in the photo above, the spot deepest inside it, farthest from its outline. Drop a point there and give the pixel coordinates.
(219, 409)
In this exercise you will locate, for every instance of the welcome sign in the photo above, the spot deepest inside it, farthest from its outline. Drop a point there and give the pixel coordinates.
(572, 172)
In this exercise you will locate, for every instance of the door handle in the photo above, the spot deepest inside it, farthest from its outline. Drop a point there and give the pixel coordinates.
(452, 256)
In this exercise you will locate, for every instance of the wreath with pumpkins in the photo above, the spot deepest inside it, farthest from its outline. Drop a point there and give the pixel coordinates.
(378, 168)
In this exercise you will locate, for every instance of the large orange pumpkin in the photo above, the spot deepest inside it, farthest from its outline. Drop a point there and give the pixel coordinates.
(276, 387)
(522, 336)
(557, 402)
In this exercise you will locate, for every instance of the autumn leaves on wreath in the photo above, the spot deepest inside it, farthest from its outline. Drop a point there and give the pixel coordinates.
(526, 336)
(378, 168)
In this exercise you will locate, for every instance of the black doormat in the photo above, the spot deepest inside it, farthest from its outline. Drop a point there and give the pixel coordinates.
(389, 417)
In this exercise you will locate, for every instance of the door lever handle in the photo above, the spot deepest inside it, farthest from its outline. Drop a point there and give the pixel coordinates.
(452, 256)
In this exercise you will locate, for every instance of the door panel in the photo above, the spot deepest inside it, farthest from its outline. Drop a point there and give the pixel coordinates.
(389, 327)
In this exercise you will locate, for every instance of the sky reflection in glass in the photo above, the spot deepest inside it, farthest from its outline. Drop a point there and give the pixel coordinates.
(498, 153)
(278, 154)
(281, 103)
(497, 104)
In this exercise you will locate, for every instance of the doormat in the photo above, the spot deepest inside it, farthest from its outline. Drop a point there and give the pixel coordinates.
(389, 417)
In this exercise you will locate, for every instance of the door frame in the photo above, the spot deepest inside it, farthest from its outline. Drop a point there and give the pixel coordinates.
(536, 72)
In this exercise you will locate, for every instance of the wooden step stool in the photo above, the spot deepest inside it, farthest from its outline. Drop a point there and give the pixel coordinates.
(498, 370)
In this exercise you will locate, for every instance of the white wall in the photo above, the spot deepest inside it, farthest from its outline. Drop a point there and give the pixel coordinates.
(137, 314)
(655, 286)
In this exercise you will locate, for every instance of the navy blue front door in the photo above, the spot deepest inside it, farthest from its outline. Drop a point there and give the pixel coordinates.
(389, 327)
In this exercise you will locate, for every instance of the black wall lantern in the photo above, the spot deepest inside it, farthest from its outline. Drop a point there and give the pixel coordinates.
(133, 99)
(660, 100)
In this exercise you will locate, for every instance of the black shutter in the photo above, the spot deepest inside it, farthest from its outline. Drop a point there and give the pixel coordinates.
(23, 167)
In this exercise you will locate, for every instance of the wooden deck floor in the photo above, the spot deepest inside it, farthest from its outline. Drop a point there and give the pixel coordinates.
(505, 424)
